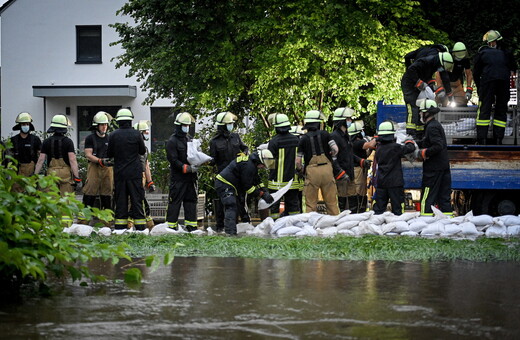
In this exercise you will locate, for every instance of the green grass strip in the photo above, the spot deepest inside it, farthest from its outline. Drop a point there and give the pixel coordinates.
(399, 248)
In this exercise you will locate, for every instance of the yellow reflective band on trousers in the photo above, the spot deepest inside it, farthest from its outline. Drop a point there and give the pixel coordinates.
(66, 220)
(173, 225)
(481, 122)
(423, 205)
(409, 118)
(499, 123)
(251, 190)
(223, 180)
(140, 221)
(121, 221)
(190, 223)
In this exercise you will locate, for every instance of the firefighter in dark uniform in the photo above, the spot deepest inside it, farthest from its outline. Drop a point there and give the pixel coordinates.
(436, 176)
(344, 162)
(315, 150)
(461, 71)
(183, 176)
(361, 146)
(100, 175)
(58, 151)
(415, 80)
(492, 68)
(26, 147)
(284, 147)
(389, 174)
(143, 126)
(424, 51)
(125, 145)
(297, 130)
(241, 176)
(224, 147)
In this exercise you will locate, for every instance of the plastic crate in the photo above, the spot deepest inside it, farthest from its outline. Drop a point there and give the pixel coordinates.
(459, 122)
(159, 206)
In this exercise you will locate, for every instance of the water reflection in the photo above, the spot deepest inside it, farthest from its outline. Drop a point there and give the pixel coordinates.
(214, 298)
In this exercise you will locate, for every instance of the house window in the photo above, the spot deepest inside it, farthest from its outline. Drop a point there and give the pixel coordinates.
(85, 116)
(163, 126)
(88, 44)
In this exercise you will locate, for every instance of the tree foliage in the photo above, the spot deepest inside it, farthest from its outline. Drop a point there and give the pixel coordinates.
(257, 57)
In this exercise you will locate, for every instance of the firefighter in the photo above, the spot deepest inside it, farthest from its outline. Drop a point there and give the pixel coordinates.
(344, 162)
(284, 147)
(26, 147)
(297, 130)
(241, 176)
(389, 180)
(492, 68)
(415, 80)
(361, 146)
(183, 176)
(461, 70)
(436, 176)
(224, 147)
(315, 150)
(58, 151)
(424, 51)
(143, 127)
(125, 145)
(100, 175)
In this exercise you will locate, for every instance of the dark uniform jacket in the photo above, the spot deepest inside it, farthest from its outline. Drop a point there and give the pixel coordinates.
(284, 147)
(388, 157)
(434, 142)
(125, 145)
(225, 147)
(459, 70)
(345, 158)
(424, 68)
(25, 150)
(99, 145)
(58, 146)
(242, 173)
(306, 147)
(423, 51)
(357, 147)
(177, 155)
(492, 64)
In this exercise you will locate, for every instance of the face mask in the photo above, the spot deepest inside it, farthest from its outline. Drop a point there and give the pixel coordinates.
(349, 123)
(25, 128)
(363, 134)
(185, 129)
(144, 136)
(229, 127)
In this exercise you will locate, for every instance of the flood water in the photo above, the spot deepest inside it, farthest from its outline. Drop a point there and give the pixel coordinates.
(234, 298)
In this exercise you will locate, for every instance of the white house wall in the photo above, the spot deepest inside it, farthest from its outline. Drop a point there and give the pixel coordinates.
(39, 48)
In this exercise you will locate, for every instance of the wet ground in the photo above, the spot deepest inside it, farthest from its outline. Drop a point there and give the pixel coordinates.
(234, 298)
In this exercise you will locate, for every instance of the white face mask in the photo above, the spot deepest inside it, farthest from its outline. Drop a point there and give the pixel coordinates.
(363, 133)
(229, 127)
(185, 129)
(349, 123)
(25, 128)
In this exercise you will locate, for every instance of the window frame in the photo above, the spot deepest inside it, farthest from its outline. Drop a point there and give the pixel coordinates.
(82, 59)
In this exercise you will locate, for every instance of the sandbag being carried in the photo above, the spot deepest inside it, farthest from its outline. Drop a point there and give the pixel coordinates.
(195, 155)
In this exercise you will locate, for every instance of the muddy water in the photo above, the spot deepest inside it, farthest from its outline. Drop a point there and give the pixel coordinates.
(230, 298)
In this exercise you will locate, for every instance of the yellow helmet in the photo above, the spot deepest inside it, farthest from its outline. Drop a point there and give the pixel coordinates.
(355, 128)
(124, 114)
(101, 118)
(224, 118)
(386, 128)
(60, 121)
(446, 60)
(459, 51)
(279, 120)
(23, 117)
(143, 125)
(491, 35)
(426, 104)
(313, 116)
(297, 130)
(343, 113)
(184, 118)
(267, 158)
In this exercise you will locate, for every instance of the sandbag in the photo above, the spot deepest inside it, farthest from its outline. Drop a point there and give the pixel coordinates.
(509, 220)
(328, 232)
(480, 220)
(355, 217)
(243, 228)
(347, 225)
(407, 216)
(287, 231)
(417, 226)
(346, 232)
(265, 226)
(329, 220)
(433, 229)
(513, 230)
(399, 226)
(496, 230)
(105, 231)
(451, 229)
(195, 155)
(262, 204)
(409, 233)
(307, 230)
(469, 229)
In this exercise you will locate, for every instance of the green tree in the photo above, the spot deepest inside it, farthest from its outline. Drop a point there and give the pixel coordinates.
(257, 57)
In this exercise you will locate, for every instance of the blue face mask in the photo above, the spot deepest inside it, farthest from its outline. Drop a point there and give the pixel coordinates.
(363, 133)
(185, 129)
(25, 128)
(229, 127)
(348, 124)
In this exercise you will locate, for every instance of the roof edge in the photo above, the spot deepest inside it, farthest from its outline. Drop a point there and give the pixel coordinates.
(5, 5)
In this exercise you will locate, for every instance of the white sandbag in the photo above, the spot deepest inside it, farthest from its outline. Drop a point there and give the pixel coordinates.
(409, 233)
(195, 155)
(427, 93)
(307, 230)
(480, 220)
(266, 225)
(468, 229)
(287, 231)
(328, 232)
(417, 226)
(433, 229)
(330, 220)
(314, 218)
(210, 231)
(452, 229)
(262, 204)
(105, 231)
(369, 228)
(398, 226)
(457, 220)
(80, 229)
(407, 216)
(243, 228)
(347, 225)
(162, 229)
(346, 232)
(198, 232)
(280, 223)
(496, 230)
(387, 228)
(438, 214)
(378, 219)
(513, 230)
(356, 231)
(356, 217)
(508, 220)
(426, 219)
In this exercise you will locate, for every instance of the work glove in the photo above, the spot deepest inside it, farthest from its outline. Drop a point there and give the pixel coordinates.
(469, 93)
(366, 163)
(440, 94)
(190, 168)
(267, 197)
(150, 186)
(76, 183)
(420, 154)
(420, 85)
(342, 177)
(103, 162)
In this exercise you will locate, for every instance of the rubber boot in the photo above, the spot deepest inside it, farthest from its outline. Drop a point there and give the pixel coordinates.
(149, 222)
(342, 203)
(352, 202)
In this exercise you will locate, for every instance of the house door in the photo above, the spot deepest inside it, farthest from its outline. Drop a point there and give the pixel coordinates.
(85, 116)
